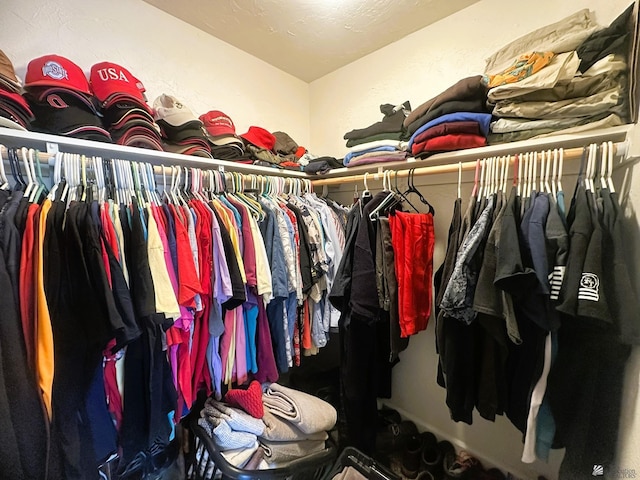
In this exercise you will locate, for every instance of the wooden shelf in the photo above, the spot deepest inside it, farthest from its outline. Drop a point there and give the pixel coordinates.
(44, 142)
(614, 134)
(18, 138)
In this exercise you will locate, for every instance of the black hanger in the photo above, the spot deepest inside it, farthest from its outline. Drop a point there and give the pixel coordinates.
(400, 197)
(108, 178)
(16, 173)
(412, 189)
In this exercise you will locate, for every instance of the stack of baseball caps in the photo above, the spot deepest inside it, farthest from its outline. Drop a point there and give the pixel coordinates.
(61, 99)
(14, 109)
(124, 106)
(181, 130)
(221, 133)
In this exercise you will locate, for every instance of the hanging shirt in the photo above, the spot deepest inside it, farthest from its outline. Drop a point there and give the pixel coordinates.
(166, 302)
(44, 332)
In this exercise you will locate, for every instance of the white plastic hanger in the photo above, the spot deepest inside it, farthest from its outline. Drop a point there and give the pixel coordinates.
(3, 175)
(459, 178)
(547, 185)
(604, 161)
(534, 175)
(543, 165)
(31, 183)
(560, 165)
(610, 168)
(475, 179)
(481, 187)
(525, 179)
(507, 164)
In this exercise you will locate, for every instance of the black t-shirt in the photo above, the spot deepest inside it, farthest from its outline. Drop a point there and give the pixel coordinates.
(623, 300)
(238, 295)
(513, 274)
(592, 296)
(341, 288)
(580, 231)
(364, 298)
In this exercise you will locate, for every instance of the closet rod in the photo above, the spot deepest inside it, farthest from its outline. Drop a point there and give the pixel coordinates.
(568, 154)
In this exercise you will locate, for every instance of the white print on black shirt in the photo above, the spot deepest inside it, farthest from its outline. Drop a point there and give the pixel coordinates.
(589, 287)
(555, 281)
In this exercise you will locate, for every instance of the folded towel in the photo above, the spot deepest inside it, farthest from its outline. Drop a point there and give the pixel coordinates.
(241, 456)
(224, 437)
(235, 418)
(310, 414)
(280, 430)
(281, 452)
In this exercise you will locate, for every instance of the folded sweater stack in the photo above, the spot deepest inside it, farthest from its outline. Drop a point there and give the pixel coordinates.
(455, 119)
(381, 141)
(582, 87)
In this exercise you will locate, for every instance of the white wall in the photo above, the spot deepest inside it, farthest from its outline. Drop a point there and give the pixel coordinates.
(416, 68)
(426, 62)
(166, 54)
(172, 57)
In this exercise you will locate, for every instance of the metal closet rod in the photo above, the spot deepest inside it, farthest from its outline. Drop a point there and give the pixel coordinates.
(568, 154)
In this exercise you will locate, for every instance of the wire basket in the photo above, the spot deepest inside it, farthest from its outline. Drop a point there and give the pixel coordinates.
(369, 468)
(206, 463)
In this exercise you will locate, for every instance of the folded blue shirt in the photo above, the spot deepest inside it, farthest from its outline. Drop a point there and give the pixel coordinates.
(351, 155)
(484, 119)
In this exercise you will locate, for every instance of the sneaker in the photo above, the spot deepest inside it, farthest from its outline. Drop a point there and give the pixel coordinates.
(465, 467)
(395, 437)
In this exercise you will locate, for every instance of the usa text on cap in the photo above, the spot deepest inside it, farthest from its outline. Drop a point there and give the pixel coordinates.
(109, 80)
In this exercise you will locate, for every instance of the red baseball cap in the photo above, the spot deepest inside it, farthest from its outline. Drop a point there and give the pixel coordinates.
(260, 137)
(109, 79)
(56, 71)
(17, 99)
(218, 124)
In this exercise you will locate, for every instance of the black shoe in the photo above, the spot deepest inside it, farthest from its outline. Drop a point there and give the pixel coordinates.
(387, 416)
(411, 457)
(395, 437)
(447, 459)
(431, 456)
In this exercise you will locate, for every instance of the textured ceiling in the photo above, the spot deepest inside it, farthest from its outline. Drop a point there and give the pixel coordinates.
(310, 38)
